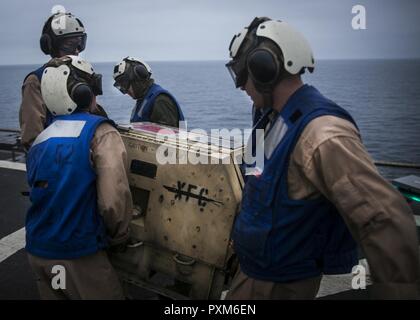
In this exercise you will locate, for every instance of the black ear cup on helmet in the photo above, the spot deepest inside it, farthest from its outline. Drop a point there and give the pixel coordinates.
(263, 66)
(82, 95)
(45, 43)
(140, 72)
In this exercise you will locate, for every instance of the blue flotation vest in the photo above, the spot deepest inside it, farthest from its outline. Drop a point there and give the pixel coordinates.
(63, 221)
(38, 73)
(280, 239)
(143, 109)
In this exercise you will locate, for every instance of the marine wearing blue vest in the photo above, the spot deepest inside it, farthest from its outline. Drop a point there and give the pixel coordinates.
(153, 103)
(64, 224)
(315, 184)
(63, 221)
(277, 239)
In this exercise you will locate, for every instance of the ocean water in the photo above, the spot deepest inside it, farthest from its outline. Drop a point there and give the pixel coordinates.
(382, 95)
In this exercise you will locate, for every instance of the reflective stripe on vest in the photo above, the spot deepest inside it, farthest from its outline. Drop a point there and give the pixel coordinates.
(61, 129)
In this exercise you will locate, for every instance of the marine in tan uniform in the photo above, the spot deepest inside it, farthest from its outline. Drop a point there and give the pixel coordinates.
(88, 272)
(153, 103)
(62, 34)
(328, 161)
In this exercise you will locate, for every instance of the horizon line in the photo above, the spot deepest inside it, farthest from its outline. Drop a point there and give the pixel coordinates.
(223, 60)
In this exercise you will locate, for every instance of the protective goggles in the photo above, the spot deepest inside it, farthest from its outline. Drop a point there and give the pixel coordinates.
(238, 72)
(70, 45)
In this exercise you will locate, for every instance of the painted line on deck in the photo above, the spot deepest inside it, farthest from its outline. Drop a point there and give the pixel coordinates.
(12, 165)
(15, 241)
(11, 244)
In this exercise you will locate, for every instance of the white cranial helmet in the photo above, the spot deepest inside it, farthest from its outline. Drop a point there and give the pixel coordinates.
(130, 70)
(296, 53)
(121, 68)
(67, 83)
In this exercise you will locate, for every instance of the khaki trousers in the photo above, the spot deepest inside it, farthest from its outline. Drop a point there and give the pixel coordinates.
(246, 288)
(90, 277)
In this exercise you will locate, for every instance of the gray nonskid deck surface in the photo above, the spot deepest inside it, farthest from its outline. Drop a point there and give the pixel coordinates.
(13, 204)
(17, 280)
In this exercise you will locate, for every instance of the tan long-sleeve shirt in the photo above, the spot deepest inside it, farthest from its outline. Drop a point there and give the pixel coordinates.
(108, 154)
(109, 159)
(32, 112)
(330, 159)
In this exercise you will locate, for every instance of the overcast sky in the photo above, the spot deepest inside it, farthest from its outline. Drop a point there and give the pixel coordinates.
(202, 29)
